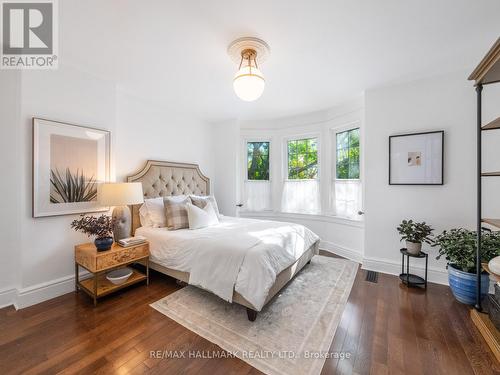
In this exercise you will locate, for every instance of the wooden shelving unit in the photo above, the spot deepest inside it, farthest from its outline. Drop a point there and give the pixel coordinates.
(487, 72)
(493, 222)
(495, 124)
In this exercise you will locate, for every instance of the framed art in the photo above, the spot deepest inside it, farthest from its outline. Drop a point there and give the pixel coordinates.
(416, 159)
(69, 161)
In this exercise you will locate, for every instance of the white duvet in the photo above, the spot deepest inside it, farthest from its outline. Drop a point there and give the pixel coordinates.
(244, 255)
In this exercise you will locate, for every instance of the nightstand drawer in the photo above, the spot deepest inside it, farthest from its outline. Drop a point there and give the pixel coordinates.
(112, 259)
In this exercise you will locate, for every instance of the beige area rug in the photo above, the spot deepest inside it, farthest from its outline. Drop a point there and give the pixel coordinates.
(291, 335)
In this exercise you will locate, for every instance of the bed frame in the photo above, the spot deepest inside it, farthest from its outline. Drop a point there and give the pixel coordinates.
(162, 178)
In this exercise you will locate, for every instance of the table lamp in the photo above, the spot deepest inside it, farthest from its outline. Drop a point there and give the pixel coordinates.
(120, 195)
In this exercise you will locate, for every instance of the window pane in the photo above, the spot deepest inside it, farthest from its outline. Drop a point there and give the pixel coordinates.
(342, 140)
(354, 138)
(303, 159)
(354, 170)
(258, 160)
(348, 154)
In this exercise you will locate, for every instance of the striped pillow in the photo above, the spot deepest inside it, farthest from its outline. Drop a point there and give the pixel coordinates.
(177, 217)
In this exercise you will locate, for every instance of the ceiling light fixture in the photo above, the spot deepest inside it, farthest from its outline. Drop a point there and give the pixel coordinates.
(249, 82)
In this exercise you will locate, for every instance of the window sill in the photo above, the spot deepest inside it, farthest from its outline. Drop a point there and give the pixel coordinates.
(298, 216)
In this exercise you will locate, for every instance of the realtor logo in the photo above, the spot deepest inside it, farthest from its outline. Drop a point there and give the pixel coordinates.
(29, 34)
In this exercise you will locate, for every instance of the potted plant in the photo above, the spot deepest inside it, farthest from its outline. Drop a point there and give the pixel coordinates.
(415, 234)
(458, 246)
(101, 227)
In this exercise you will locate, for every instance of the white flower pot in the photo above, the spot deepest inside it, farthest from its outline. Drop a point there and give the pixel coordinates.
(413, 248)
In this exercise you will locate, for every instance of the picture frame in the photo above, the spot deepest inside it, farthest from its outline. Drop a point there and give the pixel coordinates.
(416, 158)
(69, 161)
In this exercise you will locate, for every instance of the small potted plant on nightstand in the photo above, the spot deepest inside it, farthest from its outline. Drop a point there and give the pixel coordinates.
(458, 246)
(415, 234)
(100, 227)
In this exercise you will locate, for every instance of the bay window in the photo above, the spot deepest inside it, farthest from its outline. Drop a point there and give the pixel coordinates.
(347, 184)
(301, 187)
(257, 182)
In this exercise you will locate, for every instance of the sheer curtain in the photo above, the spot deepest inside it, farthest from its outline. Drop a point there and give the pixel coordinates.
(257, 196)
(301, 196)
(347, 198)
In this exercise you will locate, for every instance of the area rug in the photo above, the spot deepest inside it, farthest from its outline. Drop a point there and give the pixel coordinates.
(291, 335)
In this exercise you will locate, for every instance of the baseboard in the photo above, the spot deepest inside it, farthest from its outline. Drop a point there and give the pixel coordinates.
(341, 251)
(7, 297)
(434, 275)
(44, 291)
(24, 297)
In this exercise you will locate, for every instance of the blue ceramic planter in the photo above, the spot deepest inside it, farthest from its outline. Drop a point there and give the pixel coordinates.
(103, 243)
(463, 285)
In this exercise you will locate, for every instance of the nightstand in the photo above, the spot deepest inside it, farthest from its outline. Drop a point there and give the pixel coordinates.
(99, 263)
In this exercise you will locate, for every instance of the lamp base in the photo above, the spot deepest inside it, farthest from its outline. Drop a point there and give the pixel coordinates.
(122, 222)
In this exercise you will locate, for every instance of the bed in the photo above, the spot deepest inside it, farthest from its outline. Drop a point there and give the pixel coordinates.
(275, 252)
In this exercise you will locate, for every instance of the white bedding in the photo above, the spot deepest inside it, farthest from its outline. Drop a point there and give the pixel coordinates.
(241, 254)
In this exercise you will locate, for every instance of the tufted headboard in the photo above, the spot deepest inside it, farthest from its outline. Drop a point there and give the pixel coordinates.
(163, 178)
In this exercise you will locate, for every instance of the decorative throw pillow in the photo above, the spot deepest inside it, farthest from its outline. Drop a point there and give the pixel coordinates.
(201, 217)
(201, 202)
(176, 213)
(144, 217)
(155, 212)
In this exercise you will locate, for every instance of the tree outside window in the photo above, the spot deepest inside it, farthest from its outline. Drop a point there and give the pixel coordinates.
(258, 161)
(348, 154)
(303, 159)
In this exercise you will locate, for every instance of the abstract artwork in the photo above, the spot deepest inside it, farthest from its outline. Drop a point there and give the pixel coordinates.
(69, 162)
(416, 159)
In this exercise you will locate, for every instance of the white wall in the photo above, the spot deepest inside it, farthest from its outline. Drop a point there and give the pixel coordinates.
(9, 188)
(226, 166)
(38, 263)
(148, 132)
(46, 244)
(439, 103)
(341, 236)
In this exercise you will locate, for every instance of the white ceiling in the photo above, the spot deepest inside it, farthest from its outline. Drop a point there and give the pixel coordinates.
(322, 52)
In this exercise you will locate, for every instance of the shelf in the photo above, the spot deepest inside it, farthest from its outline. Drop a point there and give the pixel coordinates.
(488, 331)
(494, 222)
(411, 280)
(491, 174)
(495, 124)
(104, 286)
(488, 70)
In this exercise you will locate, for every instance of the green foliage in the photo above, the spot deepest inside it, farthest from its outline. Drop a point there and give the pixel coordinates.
(458, 246)
(258, 160)
(303, 159)
(99, 227)
(415, 232)
(72, 188)
(348, 154)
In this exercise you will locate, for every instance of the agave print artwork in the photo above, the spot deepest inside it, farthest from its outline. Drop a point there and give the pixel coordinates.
(69, 162)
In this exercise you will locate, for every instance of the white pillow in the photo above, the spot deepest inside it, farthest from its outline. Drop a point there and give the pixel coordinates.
(201, 217)
(144, 217)
(156, 212)
(201, 201)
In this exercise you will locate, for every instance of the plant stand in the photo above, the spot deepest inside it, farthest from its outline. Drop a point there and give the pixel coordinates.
(410, 279)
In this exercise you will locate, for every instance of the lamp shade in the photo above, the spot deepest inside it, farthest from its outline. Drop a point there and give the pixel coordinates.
(249, 83)
(120, 194)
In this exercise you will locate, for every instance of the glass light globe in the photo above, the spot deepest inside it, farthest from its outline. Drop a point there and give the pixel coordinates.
(249, 83)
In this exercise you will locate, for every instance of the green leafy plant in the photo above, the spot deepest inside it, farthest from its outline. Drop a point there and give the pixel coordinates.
(99, 227)
(72, 187)
(458, 246)
(415, 232)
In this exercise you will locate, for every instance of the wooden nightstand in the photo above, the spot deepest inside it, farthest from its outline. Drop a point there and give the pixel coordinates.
(99, 263)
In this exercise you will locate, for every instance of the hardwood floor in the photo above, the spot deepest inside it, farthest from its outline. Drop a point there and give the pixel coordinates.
(385, 328)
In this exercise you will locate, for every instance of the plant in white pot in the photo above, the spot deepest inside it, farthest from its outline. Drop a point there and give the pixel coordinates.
(415, 234)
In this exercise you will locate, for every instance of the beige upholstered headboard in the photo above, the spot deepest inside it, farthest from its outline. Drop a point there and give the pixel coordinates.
(163, 178)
